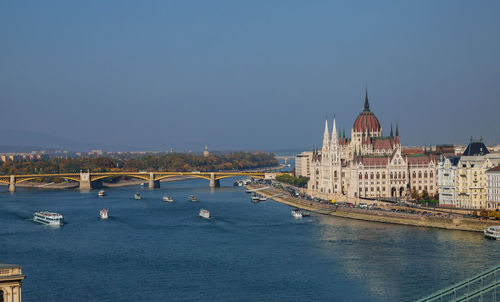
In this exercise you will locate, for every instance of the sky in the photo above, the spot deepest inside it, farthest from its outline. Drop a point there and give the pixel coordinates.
(235, 75)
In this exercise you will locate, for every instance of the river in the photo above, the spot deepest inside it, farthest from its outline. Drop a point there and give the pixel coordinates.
(150, 250)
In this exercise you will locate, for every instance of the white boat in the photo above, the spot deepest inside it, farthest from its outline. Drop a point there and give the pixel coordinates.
(48, 218)
(192, 198)
(142, 184)
(262, 198)
(103, 214)
(137, 196)
(167, 199)
(296, 213)
(204, 213)
(101, 193)
(492, 232)
(255, 198)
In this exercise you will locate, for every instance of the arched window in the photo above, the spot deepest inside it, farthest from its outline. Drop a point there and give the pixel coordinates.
(360, 175)
(335, 174)
(366, 175)
(383, 175)
(391, 175)
(317, 172)
(399, 175)
(414, 174)
(419, 174)
(1, 295)
(430, 174)
(378, 175)
(425, 174)
(403, 174)
(371, 176)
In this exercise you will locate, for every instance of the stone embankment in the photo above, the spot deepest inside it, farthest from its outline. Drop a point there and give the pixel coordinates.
(385, 215)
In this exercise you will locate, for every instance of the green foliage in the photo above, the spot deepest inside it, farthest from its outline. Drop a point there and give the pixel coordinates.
(178, 162)
(425, 195)
(296, 181)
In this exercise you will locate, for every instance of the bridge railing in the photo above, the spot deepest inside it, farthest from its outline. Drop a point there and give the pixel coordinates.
(480, 287)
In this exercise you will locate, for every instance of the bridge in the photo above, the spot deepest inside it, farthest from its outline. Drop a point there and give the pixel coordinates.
(89, 180)
(284, 157)
(480, 287)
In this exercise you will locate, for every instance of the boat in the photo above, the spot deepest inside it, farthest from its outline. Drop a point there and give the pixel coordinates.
(204, 213)
(262, 198)
(255, 198)
(296, 213)
(168, 199)
(192, 198)
(305, 213)
(48, 218)
(492, 232)
(103, 214)
(142, 184)
(101, 193)
(137, 196)
(249, 191)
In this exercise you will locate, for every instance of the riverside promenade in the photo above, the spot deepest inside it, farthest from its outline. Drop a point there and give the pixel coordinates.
(386, 213)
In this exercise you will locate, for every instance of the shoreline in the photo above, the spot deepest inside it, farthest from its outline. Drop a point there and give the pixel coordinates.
(458, 224)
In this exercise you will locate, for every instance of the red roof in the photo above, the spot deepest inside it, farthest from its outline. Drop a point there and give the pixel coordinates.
(382, 144)
(494, 169)
(374, 161)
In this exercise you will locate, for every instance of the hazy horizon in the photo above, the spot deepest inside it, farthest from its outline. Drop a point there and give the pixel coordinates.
(257, 75)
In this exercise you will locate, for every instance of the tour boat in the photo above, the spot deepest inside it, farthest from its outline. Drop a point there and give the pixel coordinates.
(137, 196)
(296, 213)
(262, 198)
(492, 232)
(192, 198)
(103, 214)
(255, 198)
(168, 199)
(48, 218)
(204, 213)
(101, 193)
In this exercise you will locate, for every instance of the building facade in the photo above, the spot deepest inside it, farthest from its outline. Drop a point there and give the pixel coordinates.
(493, 188)
(303, 164)
(10, 283)
(447, 168)
(368, 164)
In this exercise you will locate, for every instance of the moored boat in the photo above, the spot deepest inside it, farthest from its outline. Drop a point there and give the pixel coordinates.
(296, 213)
(103, 214)
(48, 218)
(262, 198)
(192, 198)
(204, 213)
(167, 199)
(492, 232)
(101, 193)
(137, 196)
(255, 198)
(305, 213)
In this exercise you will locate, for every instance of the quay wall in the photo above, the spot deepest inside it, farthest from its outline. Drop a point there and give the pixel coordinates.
(462, 224)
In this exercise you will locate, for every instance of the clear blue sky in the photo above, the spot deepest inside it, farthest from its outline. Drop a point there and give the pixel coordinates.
(248, 74)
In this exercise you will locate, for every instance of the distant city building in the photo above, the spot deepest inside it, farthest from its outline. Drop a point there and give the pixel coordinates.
(369, 164)
(462, 181)
(303, 164)
(10, 283)
(205, 152)
(447, 168)
(493, 188)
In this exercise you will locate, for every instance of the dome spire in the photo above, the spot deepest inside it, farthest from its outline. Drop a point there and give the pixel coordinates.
(367, 104)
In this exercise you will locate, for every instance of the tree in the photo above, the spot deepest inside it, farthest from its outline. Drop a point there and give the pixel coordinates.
(425, 195)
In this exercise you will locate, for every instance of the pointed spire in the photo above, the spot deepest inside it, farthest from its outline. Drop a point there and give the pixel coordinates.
(326, 135)
(397, 130)
(334, 132)
(392, 135)
(343, 133)
(367, 104)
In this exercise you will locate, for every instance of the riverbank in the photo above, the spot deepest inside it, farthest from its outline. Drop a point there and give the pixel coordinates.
(385, 215)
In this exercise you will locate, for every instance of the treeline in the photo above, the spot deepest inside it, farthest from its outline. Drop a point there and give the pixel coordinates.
(177, 162)
(300, 181)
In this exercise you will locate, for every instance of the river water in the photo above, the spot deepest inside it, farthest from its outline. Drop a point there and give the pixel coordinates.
(154, 251)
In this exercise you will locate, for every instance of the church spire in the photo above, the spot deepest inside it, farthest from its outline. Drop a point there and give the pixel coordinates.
(397, 130)
(367, 104)
(392, 135)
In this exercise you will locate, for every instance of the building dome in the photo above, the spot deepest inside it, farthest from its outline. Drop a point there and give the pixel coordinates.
(366, 120)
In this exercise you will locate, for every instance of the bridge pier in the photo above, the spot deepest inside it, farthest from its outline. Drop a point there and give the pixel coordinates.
(214, 182)
(152, 182)
(85, 183)
(12, 184)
